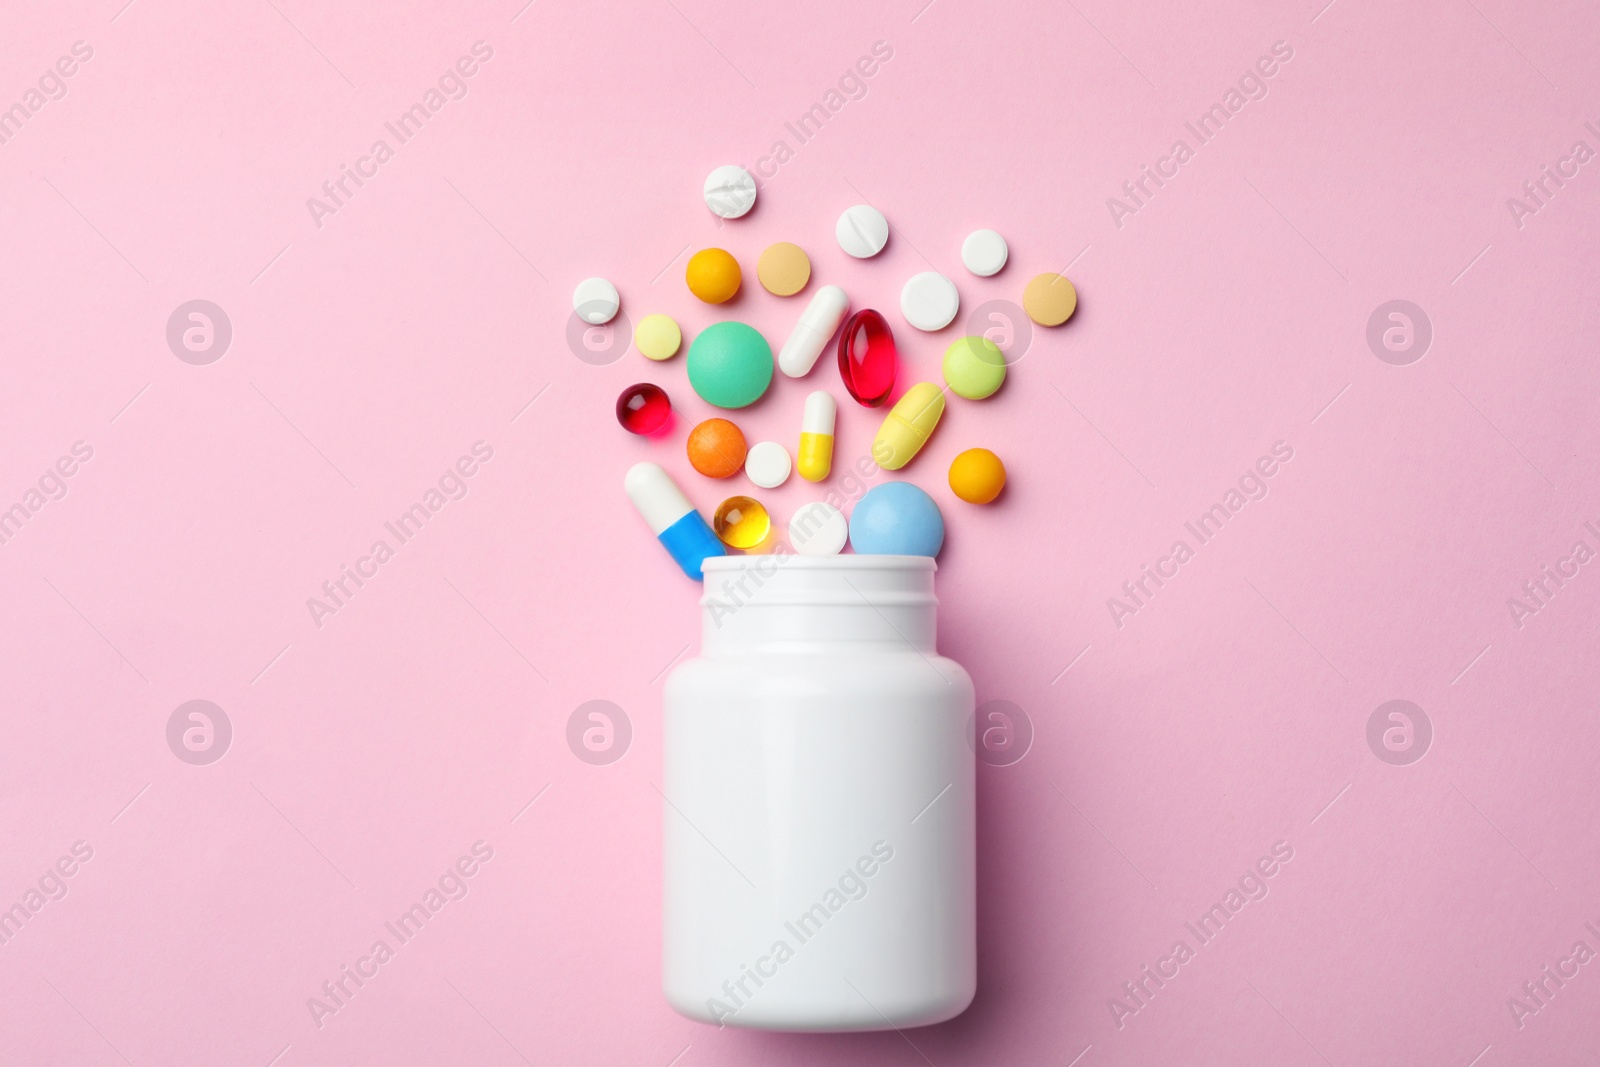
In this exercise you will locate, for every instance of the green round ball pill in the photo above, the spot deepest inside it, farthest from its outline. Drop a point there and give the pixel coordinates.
(974, 367)
(730, 365)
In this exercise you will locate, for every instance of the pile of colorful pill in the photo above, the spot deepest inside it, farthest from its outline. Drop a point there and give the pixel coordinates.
(731, 366)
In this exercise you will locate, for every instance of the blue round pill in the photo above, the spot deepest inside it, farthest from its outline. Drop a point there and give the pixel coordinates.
(896, 519)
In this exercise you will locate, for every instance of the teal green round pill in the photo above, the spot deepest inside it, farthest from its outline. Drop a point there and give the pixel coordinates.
(730, 365)
(974, 367)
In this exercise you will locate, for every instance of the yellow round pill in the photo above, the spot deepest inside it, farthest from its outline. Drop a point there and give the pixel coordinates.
(784, 269)
(657, 337)
(741, 522)
(713, 275)
(977, 476)
(1049, 299)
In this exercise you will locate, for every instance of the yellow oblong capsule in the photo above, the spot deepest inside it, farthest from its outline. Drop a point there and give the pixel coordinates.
(908, 426)
(816, 436)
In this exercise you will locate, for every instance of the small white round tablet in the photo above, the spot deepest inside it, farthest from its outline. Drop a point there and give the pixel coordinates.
(862, 231)
(929, 301)
(818, 529)
(984, 252)
(730, 191)
(767, 464)
(596, 301)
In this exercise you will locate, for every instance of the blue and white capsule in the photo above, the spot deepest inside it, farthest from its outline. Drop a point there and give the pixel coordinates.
(670, 516)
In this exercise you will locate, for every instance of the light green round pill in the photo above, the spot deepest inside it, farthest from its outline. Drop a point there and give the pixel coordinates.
(974, 367)
(730, 365)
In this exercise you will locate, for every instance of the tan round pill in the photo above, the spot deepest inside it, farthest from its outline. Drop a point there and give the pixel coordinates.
(783, 269)
(1049, 299)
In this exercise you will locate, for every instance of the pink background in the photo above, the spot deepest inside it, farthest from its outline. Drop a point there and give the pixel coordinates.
(369, 353)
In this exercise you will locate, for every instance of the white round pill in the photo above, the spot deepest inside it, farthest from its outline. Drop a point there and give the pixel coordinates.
(862, 231)
(984, 252)
(818, 529)
(767, 464)
(596, 301)
(929, 301)
(730, 191)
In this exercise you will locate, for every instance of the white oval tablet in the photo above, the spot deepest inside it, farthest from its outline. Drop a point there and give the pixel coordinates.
(984, 252)
(929, 301)
(818, 529)
(730, 191)
(862, 231)
(767, 464)
(596, 301)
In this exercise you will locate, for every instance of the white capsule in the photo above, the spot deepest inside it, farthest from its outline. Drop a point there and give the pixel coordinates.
(656, 496)
(811, 334)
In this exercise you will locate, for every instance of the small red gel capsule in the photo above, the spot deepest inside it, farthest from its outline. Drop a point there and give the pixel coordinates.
(643, 408)
(867, 359)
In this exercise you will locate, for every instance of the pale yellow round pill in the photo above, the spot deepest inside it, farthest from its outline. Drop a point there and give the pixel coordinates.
(657, 337)
(1049, 299)
(783, 269)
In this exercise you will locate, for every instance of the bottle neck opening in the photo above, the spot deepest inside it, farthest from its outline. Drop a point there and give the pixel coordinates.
(785, 601)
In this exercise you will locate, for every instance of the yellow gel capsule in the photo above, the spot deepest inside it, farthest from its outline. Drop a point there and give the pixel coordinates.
(816, 436)
(908, 426)
(741, 522)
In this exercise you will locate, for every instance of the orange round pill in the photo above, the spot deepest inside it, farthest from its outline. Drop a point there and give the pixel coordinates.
(716, 448)
(713, 275)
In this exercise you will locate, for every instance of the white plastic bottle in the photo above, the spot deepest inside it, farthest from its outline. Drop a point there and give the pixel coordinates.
(820, 802)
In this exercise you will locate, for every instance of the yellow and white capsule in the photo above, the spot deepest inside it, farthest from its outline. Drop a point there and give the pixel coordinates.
(816, 436)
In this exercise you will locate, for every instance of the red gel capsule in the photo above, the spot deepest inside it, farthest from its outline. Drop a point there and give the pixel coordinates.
(643, 408)
(867, 359)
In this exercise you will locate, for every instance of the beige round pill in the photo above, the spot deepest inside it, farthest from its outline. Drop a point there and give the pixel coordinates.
(1049, 299)
(783, 269)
